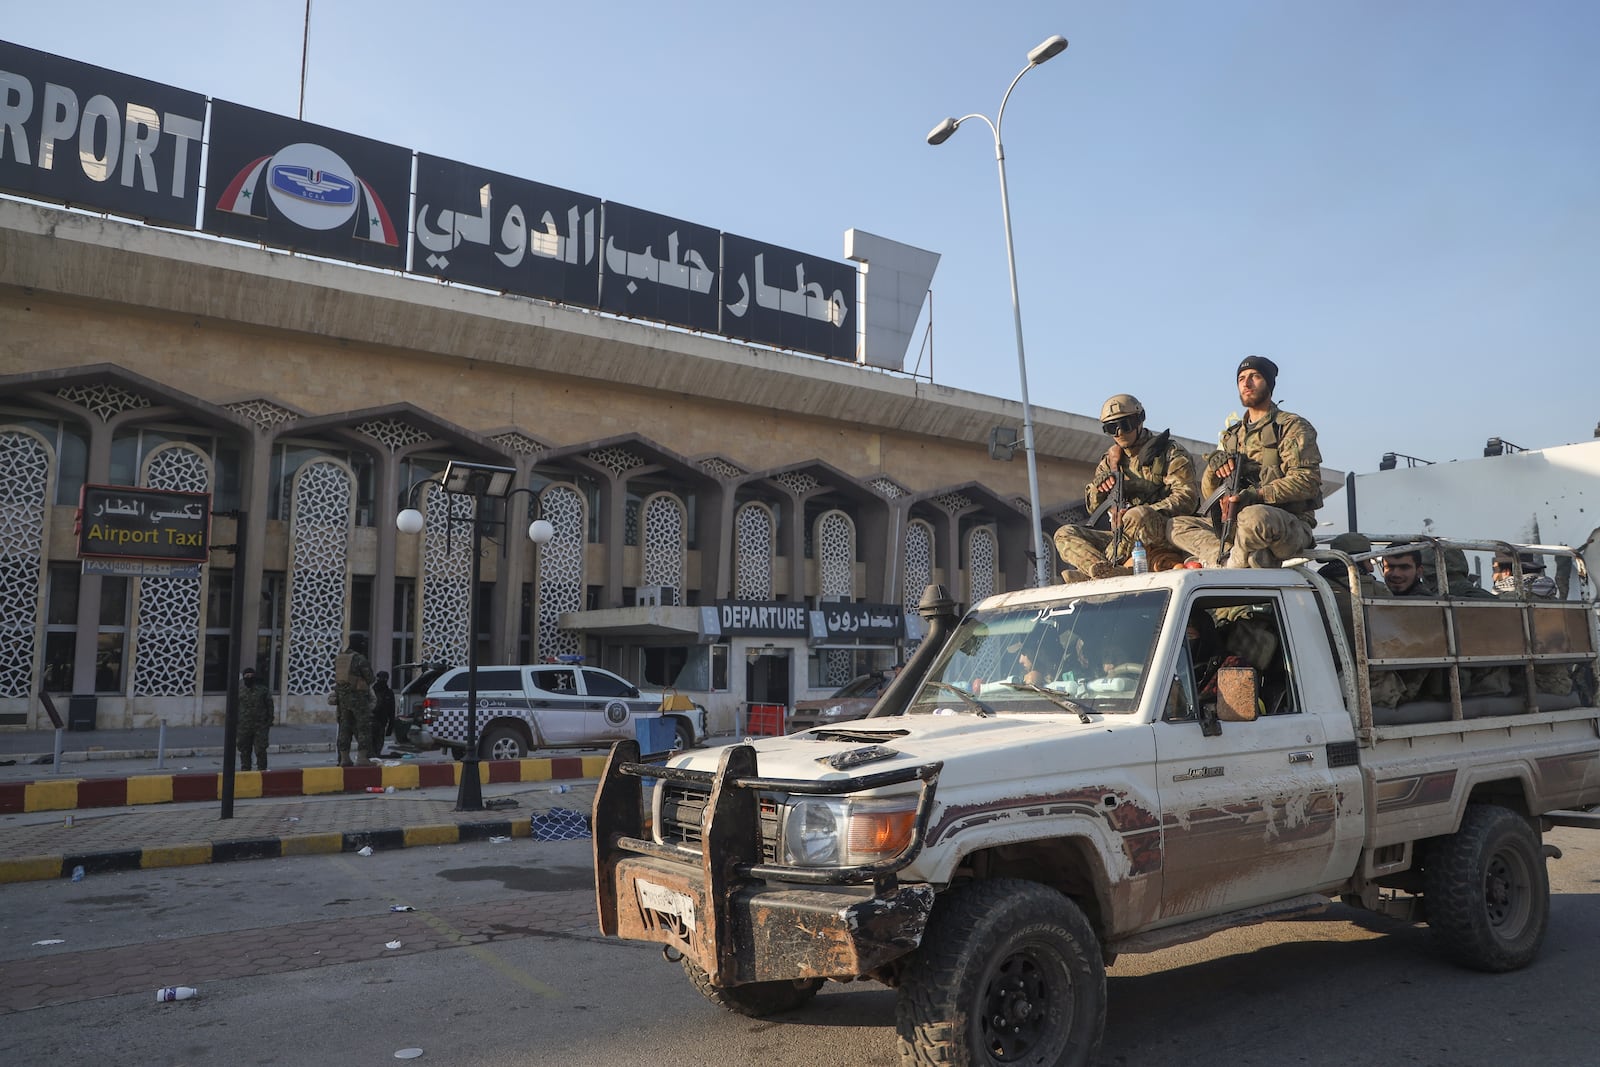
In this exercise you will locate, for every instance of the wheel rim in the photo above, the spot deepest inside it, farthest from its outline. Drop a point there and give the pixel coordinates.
(505, 748)
(1507, 892)
(1026, 1005)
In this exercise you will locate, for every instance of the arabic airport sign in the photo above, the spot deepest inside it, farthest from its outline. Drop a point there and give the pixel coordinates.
(98, 139)
(489, 229)
(95, 138)
(122, 522)
(853, 622)
(295, 185)
(780, 297)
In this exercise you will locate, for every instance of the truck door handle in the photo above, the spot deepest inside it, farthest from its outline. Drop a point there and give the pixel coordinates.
(1301, 757)
(540, 703)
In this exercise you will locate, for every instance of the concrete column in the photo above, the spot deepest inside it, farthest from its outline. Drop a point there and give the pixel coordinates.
(385, 490)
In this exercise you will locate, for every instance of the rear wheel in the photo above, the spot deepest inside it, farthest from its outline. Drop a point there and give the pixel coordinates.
(502, 742)
(1487, 891)
(1008, 972)
(756, 1000)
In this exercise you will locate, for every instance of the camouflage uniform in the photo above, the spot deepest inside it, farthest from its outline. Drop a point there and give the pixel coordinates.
(1552, 678)
(1157, 484)
(255, 721)
(1460, 585)
(1277, 509)
(352, 692)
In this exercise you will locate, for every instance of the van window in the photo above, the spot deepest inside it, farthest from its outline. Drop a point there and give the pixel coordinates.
(601, 684)
(492, 679)
(556, 680)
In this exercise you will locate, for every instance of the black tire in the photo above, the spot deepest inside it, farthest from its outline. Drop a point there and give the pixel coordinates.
(1487, 891)
(682, 734)
(401, 731)
(1008, 972)
(502, 742)
(756, 1000)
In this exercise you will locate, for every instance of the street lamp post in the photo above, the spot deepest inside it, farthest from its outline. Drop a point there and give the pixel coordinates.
(1048, 49)
(481, 482)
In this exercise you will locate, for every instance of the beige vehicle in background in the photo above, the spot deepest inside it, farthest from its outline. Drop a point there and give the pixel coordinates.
(851, 701)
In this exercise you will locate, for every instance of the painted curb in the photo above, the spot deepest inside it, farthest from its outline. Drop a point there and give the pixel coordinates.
(43, 868)
(65, 794)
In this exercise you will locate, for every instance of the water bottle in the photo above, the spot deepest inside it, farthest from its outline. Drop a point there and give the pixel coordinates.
(77, 874)
(561, 788)
(175, 992)
(1141, 561)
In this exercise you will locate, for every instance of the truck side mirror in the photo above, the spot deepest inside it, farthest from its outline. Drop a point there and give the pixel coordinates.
(1236, 694)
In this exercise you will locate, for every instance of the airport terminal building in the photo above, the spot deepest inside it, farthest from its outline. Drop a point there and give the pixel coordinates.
(747, 495)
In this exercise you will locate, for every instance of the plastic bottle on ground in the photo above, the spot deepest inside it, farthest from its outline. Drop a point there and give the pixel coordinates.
(562, 788)
(77, 874)
(175, 992)
(1141, 561)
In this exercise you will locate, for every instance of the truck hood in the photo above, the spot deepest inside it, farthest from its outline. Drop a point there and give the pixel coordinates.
(909, 740)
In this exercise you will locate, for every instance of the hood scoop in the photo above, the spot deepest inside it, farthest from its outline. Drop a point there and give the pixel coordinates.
(851, 758)
(857, 736)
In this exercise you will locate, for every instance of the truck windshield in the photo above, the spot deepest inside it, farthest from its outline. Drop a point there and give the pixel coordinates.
(1092, 649)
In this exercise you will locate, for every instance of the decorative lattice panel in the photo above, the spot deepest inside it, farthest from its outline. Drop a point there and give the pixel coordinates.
(1023, 504)
(616, 460)
(24, 491)
(666, 523)
(394, 434)
(982, 552)
(446, 575)
(103, 400)
(630, 522)
(754, 530)
(954, 503)
(561, 577)
(836, 556)
(321, 517)
(167, 653)
(888, 488)
(718, 467)
(263, 413)
(519, 444)
(797, 482)
(919, 562)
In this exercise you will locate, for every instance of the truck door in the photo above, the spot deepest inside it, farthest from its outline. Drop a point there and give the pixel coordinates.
(1250, 815)
(558, 705)
(611, 704)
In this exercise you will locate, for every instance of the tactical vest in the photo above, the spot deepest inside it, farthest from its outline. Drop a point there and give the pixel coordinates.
(1271, 466)
(344, 675)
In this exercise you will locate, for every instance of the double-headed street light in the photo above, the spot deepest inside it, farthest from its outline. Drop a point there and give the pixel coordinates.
(482, 482)
(1048, 49)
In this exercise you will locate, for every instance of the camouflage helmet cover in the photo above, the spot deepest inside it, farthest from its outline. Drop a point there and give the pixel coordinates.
(1121, 405)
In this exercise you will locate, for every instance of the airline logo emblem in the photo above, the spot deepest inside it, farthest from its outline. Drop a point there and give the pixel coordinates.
(312, 187)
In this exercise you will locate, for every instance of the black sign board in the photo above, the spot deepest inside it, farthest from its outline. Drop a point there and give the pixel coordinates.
(282, 182)
(763, 618)
(490, 229)
(661, 268)
(91, 137)
(776, 296)
(122, 522)
(863, 622)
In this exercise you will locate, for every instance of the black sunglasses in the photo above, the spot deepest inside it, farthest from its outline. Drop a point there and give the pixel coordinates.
(1116, 426)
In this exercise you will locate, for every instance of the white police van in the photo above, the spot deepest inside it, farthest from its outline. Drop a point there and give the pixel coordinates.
(547, 705)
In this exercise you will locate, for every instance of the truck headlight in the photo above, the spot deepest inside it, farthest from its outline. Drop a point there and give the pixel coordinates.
(846, 832)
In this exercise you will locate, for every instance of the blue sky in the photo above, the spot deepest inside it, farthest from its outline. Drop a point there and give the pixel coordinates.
(1399, 202)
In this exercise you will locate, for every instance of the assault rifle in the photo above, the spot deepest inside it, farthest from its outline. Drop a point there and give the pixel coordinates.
(1231, 486)
(1115, 502)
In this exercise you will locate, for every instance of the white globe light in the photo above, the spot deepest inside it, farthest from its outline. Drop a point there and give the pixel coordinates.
(540, 532)
(409, 521)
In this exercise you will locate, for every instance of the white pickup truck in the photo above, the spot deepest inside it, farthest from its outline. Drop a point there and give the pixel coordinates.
(1121, 765)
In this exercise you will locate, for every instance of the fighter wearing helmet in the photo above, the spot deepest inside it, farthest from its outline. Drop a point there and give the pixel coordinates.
(1158, 483)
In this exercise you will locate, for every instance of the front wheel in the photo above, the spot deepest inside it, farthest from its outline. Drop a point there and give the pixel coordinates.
(756, 1000)
(1008, 972)
(1487, 891)
(502, 742)
(682, 735)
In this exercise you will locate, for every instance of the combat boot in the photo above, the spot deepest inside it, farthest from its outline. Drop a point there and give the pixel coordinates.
(1108, 570)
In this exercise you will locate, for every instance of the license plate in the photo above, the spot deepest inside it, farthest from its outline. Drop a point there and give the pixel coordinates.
(659, 898)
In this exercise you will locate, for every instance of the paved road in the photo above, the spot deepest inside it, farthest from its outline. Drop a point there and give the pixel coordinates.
(501, 965)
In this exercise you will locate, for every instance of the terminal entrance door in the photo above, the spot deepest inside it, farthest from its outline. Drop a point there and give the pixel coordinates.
(766, 689)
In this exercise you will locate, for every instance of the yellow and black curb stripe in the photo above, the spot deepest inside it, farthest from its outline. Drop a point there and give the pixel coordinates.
(43, 868)
(77, 793)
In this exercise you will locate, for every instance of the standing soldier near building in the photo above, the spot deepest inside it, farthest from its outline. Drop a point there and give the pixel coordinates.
(255, 719)
(1270, 515)
(352, 693)
(1158, 483)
